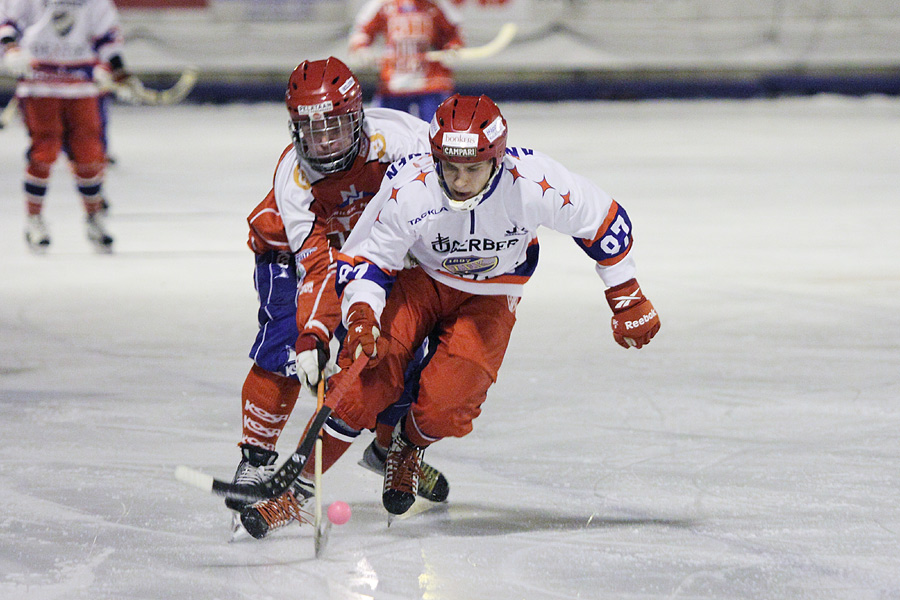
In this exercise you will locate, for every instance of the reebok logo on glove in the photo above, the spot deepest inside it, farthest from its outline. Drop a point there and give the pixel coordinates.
(645, 319)
(622, 302)
(634, 321)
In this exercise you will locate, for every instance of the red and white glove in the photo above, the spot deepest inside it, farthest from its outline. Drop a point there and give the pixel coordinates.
(312, 358)
(363, 336)
(17, 61)
(634, 321)
(120, 82)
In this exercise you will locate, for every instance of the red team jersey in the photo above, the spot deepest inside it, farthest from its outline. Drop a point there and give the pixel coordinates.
(311, 215)
(410, 28)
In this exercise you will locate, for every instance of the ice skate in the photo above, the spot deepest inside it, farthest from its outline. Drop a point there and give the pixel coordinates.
(238, 532)
(433, 485)
(401, 473)
(256, 464)
(265, 516)
(96, 232)
(36, 235)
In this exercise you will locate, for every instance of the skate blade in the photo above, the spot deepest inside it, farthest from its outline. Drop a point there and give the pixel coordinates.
(322, 534)
(238, 532)
(101, 248)
(369, 467)
(421, 505)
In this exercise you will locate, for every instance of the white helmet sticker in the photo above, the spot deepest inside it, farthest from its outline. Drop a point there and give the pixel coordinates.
(433, 128)
(345, 87)
(494, 130)
(460, 140)
(314, 109)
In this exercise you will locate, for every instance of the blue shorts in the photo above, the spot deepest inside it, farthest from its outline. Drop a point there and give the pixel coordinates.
(275, 280)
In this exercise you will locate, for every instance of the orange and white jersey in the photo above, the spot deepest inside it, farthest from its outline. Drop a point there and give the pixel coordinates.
(66, 40)
(491, 249)
(311, 215)
(410, 28)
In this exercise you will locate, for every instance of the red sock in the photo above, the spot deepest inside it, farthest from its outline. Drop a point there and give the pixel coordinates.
(267, 400)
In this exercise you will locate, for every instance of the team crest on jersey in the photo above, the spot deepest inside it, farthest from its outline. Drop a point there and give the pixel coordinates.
(469, 265)
(63, 22)
(352, 195)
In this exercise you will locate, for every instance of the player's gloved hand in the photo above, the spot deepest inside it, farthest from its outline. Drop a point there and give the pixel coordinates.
(17, 61)
(363, 336)
(634, 320)
(361, 57)
(312, 358)
(122, 83)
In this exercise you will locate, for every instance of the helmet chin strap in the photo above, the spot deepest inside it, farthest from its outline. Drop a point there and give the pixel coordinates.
(469, 203)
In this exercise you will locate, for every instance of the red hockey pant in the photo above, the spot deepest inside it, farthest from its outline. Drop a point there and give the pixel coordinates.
(51, 121)
(474, 334)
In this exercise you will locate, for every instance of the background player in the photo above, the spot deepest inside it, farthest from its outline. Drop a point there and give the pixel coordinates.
(468, 214)
(322, 183)
(408, 81)
(56, 49)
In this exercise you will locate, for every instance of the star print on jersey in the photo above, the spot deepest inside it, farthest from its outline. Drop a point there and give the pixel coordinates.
(567, 199)
(545, 185)
(515, 173)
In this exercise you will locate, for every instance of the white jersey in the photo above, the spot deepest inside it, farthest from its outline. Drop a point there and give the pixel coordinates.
(388, 136)
(66, 39)
(492, 249)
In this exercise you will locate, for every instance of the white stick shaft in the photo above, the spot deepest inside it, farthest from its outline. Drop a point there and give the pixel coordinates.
(501, 40)
(193, 477)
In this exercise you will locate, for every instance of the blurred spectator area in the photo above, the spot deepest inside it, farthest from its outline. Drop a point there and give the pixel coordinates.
(565, 49)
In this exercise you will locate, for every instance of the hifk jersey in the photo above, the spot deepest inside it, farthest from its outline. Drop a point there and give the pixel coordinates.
(67, 39)
(301, 197)
(311, 215)
(410, 28)
(492, 249)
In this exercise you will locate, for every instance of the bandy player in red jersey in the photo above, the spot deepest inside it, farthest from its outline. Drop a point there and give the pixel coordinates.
(468, 213)
(324, 180)
(408, 81)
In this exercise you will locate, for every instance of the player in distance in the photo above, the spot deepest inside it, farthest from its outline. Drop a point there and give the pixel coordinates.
(323, 181)
(407, 79)
(468, 213)
(58, 50)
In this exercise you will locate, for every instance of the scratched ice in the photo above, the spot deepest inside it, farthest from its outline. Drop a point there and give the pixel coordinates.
(751, 451)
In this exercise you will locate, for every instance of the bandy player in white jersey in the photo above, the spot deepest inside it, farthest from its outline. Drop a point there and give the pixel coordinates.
(468, 213)
(58, 49)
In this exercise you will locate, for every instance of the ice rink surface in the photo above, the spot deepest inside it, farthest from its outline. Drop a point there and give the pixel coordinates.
(752, 451)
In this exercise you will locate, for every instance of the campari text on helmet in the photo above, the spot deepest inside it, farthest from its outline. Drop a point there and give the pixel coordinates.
(467, 130)
(324, 100)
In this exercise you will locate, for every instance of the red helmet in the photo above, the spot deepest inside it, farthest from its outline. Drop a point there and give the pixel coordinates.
(468, 129)
(324, 99)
